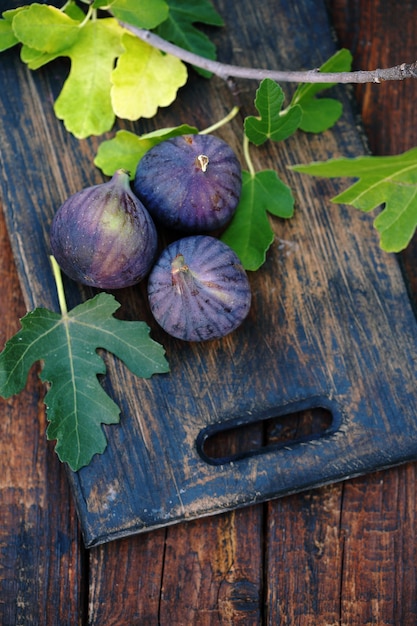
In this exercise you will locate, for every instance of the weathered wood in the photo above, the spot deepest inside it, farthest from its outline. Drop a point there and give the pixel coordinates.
(39, 535)
(207, 571)
(213, 571)
(379, 514)
(125, 580)
(320, 543)
(321, 317)
(366, 571)
(304, 554)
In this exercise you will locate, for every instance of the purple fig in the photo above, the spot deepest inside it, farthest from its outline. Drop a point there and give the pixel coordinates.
(198, 289)
(103, 236)
(190, 183)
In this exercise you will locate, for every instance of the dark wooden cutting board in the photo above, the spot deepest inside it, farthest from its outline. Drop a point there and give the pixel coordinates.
(330, 327)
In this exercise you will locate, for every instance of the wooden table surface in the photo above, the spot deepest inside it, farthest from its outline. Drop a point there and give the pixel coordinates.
(341, 554)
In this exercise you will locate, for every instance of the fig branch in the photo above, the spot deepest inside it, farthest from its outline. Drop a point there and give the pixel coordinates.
(226, 71)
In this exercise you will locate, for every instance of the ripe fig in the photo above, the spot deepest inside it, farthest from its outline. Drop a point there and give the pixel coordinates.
(198, 289)
(190, 183)
(103, 236)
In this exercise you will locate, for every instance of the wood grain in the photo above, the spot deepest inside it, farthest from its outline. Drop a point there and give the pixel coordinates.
(321, 317)
(343, 554)
(39, 533)
(377, 581)
(319, 545)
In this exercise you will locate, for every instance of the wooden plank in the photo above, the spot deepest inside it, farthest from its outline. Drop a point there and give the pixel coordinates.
(375, 591)
(127, 570)
(304, 558)
(378, 518)
(213, 571)
(319, 545)
(125, 582)
(204, 572)
(39, 533)
(329, 319)
(349, 550)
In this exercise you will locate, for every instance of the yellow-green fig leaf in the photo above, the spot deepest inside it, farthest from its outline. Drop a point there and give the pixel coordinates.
(135, 92)
(84, 103)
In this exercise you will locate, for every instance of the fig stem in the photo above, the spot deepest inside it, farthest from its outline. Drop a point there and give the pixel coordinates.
(179, 265)
(247, 156)
(59, 285)
(221, 122)
(203, 161)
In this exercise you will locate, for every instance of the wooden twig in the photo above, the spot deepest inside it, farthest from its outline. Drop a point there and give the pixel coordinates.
(226, 71)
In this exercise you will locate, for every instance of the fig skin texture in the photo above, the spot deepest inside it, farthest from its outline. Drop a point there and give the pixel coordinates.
(103, 236)
(198, 289)
(190, 183)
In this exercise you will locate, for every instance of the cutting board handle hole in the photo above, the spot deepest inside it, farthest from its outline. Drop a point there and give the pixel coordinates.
(218, 445)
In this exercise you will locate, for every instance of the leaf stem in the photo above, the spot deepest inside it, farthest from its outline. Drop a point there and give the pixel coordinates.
(88, 15)
(64, 6)
(59, 285)
(221, 122)
(225, 71)
(247, 156)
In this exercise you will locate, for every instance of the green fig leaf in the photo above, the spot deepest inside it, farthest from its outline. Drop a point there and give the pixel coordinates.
(180, 29)
(100, 4)
(273, 123)
(319, 114)
(249, 233)
(388, 181)
(77, 404)
(126, 149)
(72, 9)
(144, 14)
(135, 93)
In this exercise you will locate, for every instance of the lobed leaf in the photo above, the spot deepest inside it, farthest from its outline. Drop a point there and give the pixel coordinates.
(45, 28)
(195, 11)
(390, 181)
(77, 404)
(126, 149)
(144, 14)
(179, 27)
(35, 59)
(272, 123)
(72, 9)
(84, 103)
(135, 93)
(95, 91)
(100, 4)
(7, 36)
(320, 114)
(249, 233)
